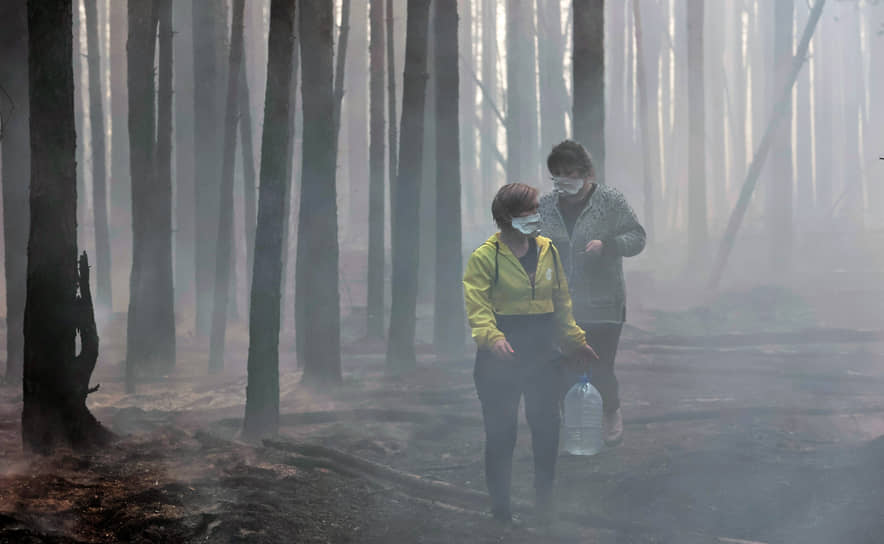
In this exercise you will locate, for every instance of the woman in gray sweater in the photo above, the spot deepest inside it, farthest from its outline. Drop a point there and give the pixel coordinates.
(593, 227)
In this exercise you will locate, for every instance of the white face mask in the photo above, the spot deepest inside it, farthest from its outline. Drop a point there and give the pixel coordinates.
(528, 225)
(567, 186)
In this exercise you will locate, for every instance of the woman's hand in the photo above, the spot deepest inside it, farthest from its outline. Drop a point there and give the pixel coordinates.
(503, 350)
(582, 358)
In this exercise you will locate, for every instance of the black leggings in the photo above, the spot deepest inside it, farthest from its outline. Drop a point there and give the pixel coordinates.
(604, 339)
(500, 385)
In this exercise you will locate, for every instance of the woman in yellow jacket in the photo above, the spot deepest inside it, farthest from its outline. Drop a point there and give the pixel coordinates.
(519, 310)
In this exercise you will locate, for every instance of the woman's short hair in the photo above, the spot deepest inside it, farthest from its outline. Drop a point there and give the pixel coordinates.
(511, 200)
(569, 156)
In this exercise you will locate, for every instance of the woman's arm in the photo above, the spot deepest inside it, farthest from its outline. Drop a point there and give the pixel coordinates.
(477, 284)
(629, 238)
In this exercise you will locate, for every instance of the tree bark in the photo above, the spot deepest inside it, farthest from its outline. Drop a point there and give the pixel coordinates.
(223, 254)
(207, 150)
(248, 168)
(553, 95)
(99, 169)
(588, 64)
(470, 182)
(356, 96)
(262, 392)
(778, 214)
(185, 203)
(400, 338)
(120, 184)
(16, 174)
(375, 280)
(393, 118)
(317, 218)
(448, 316)
(489, 122)
(523, 160)
(698, 230)
(647, 100)
(56, 380)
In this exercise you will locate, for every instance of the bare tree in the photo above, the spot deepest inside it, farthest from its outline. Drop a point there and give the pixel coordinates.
(448, 317)
(16, 173)
(400, 338)
(262, 393)
(523, 160)
(99, 169)
(56, 379)
(375, 280)
(588, 63)
(697, 211)
(224, 253)
(317, 219)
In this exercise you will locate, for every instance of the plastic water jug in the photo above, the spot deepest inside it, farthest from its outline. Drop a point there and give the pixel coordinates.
(583, 419)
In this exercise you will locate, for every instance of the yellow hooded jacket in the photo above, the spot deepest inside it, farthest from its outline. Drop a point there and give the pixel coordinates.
(496, 284)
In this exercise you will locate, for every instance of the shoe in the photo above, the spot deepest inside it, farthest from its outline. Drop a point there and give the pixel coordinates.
(613, 426)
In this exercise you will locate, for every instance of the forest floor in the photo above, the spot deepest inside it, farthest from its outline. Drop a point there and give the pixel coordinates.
(765, 430)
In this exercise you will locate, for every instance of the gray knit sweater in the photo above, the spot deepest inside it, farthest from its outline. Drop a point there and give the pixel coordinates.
(598, 293)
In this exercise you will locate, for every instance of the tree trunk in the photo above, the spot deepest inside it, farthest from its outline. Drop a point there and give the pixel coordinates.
(470, 182)
(448, 316)
(185, 225)
(393, 118)
(56, 380)
(588, 64)
(99, 170)
(375, 282)
(262, 392)
(318, 217)
(823, 95)
(488, 164)
(356, 95)
(647, 98)
(223, 255)
(150, 347)
(850, 208)
(207, 151)
(400, 338)
(248, 169)
(804, 140)
(120, 184)
(779, 191)
(738, 99)
(697, 220)
(553, 95)
(523, 159)
(293, 174)
(16, 174)
(79, 117)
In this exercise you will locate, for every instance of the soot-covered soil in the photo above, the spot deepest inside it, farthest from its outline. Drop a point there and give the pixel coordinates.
(743, 443)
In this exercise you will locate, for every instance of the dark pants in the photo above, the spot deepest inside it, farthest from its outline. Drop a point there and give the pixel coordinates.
(604, 338)
(500, 385)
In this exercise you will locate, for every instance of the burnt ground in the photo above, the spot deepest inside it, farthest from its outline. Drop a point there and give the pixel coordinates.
(724, 443)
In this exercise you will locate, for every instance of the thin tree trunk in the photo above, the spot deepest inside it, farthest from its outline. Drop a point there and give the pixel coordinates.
(697, 219)
(738, 79)
(317, 218)
(779, 191)
(223, 255)
(356, 95)
(523, 158)
(120, 184)
(262, 392)
(248, 169)
(851, 198)
(16, 175)
(588, 63)
(56, 380)
(375, 281)
(448, 318)
(489, 123)
(99, 170)
(79, 116)
(293, 174)
(468, 119)
(752, 175)
(553, 95)
(823, 91)
(185, 198)
(646, 95)
(392, 124)
(400, 338)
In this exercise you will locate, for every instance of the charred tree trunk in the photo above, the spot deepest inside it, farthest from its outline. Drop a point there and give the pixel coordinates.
(56, 380)
(184, 155)
(223, 254)
(588, 64)
(778, 216)
(448, 317)
(318, 217)
(400, 338)
(488, 164)
(697, 220)
(16, 174)
(553, 95)
(120, 184)
(99, 169)
(523, 160)
(248, 168)
(207, 150)
(79, 117)
(262, 393)
(375, 281)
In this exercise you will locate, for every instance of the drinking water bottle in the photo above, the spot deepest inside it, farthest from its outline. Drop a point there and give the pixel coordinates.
(583, 419)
